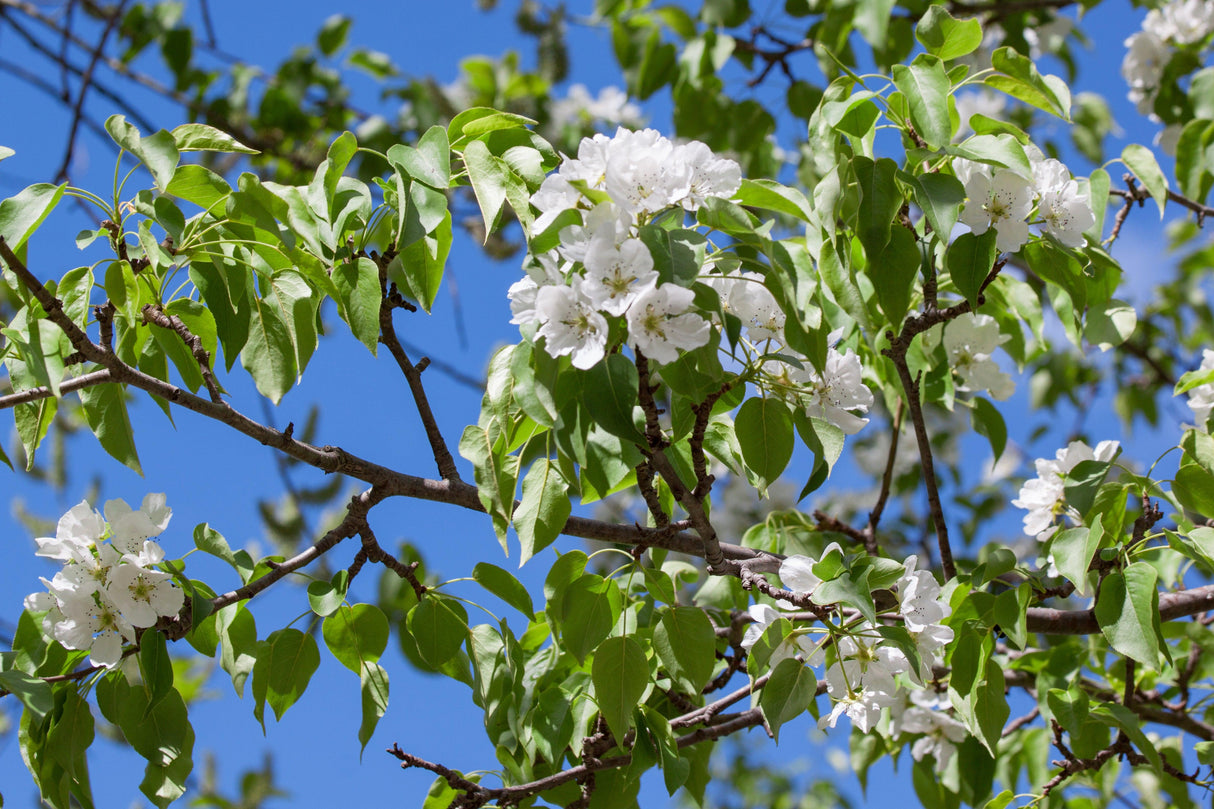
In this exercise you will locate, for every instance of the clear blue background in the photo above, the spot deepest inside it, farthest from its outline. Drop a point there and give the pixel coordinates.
(213, 475)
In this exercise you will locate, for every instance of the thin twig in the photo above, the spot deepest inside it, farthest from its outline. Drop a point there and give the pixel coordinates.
(86, 80)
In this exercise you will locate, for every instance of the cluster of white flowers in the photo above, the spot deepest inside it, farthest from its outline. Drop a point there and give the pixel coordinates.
(832, 395)
(1002, 199)
(969, 341)
(601, 268)
(1043, 496)
(865, 676)
(579, 108)
(106, 590)
(1201, 398)
(1177, 23)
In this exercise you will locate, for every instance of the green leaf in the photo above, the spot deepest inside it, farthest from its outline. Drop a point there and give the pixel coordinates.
(1073, 551)
(325, 597)
(609, 394)
(204, 138)
(356, 635)
(686, 644)
(1018, 77)
(439, 626)
(285, 665)
(772, 196)
(1199, 447)
(987, 420)
(478, 121)
(894, 274)
(1193, 379)
(940, 196)
(1141, 160)
(1110, 324)
(237, 633)
(67, 743)
(1127, 609)
(544, 509)
(926, 86)
(155, 668)
(34, 692)
(357, 283)
(765, 434)
(420, 265)
(879, 203)
(1194, 488)
(105, 411)
(850, 590)
(970, 259)
(489, 175)
(21, 215)
(505, 586)
(678, 255)
(429, 162)
(159, 153)
(620, 674)
(495, 472)
(269, 354)
(788, 693)
(589, 608)
(946, 36)
(41, 344)
(373, 687)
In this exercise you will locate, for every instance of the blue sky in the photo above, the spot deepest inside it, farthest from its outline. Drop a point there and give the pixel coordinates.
(212, 476)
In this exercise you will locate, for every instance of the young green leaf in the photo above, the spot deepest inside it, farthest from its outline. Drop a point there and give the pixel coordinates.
(788, 693)
(620, 674)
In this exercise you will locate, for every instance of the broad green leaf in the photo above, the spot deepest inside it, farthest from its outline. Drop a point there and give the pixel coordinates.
(41, 344)
(204, 138)
(1194, 488)
(1110, 324)
(490, 177)
(285, 665)
(544, 509)
(1141, 160)
(609, 394)
(439, 626)
(478, 121)
(33, 692)
(879, 203)
(373, 688)
(788, 693)
(1193, 379)
(926, 86)
(505, 586)
(1073, 551)
(850, 590)
(325, 597)
(678, 255)
(357, 283)
(67, 743)
(495, 473)
(208, 540)
(269, 355)
(940, 196)
(1194, 173)
(155, 668)
(1124, 719)
(1127, 609)
(356, 634)
(765, 433)
(987, 420)
(970, 259)
(620, 674)
(429, 162)
(106, 413)
(686, 644)
(420, 265)
(159, 153)
(894, 273)
(21, 215)
(1018, 77)
(237, 634)
(1199, 447)
(772, 196)
(589, 608)
(946, 36)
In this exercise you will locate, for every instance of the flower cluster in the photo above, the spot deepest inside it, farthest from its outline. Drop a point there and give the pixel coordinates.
(1002, 199)
(1177, 23)
(831, 395)
(864, 677)
(1043, 496)
(1201, 398)
(578, 108)
(969, 341)
(601, 268)
(106, 590)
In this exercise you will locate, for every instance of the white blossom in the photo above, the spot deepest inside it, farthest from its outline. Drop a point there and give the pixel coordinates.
(617, 273)
(986, 102)
(711, 176)
(1001, 200)
(76, 533)
(1181, 21)
(1201, 398)
(1043, 495)
(143, 595)
(570, 325)
(744, 296)
(941, 732)
(578, 107)
(1067, 213)
(642, 175)
(764, 616)
(130, 527)
(838, 390)
(659, 324)
(859, 695)
(969, 341)
(1142, 68)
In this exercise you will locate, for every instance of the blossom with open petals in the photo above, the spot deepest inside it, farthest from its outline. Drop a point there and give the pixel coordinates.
(570, 325)
(1201, 398)
(1002, 201)
(1043, 495)
(969, 341)
(660, 325)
